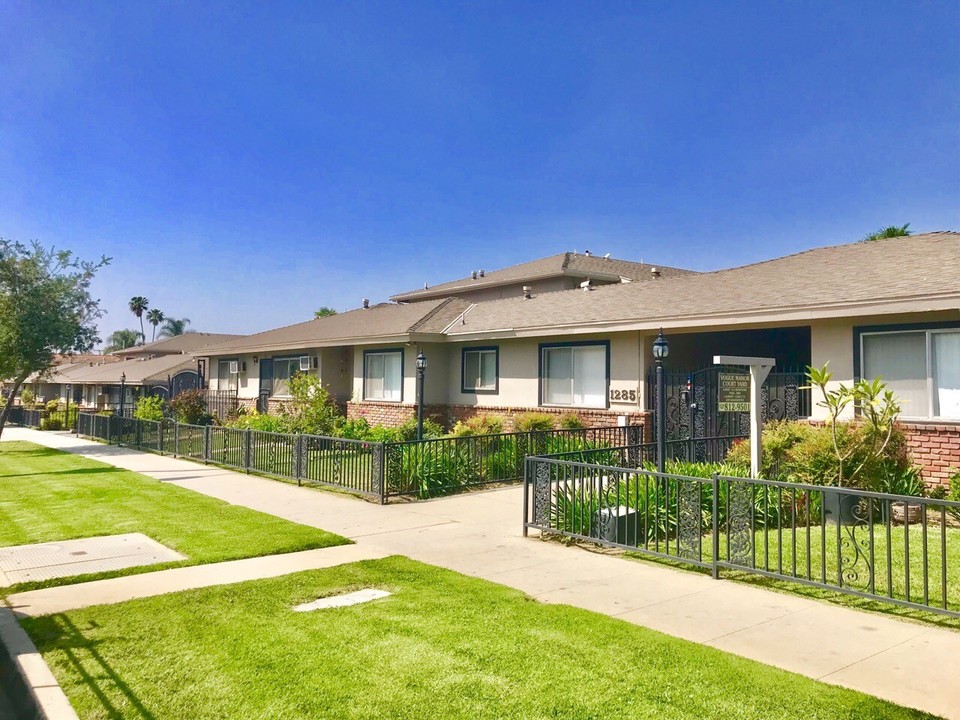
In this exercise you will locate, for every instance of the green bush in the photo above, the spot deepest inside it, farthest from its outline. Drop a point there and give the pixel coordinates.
(263, 422)
(953, 493)
(571, 421)
(51, 423)
(52, 405)
(27, 396)
(149, 407)
(189, 407)
(479, 425)
(533, 422)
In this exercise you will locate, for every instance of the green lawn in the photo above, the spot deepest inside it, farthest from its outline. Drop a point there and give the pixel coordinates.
(443, 646)
(48, 495)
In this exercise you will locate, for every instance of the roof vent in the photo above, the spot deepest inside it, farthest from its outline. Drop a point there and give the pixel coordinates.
(655, 272)
(366, 303)
(527, 292)
(587, 253)
(586, 286)
(607, 256)
(426, 287)
(482, 273)
(473, 275)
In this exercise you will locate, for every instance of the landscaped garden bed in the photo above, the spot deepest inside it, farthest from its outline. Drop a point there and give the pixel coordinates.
(435, 648)
(48, 495)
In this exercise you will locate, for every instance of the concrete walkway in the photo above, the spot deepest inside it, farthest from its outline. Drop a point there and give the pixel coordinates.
(479, 535)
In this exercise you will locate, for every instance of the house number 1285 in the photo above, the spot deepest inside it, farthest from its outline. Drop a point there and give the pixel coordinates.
(624, 395)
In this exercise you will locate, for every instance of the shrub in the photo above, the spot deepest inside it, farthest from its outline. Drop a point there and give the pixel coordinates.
(311, 409)
(51, 423)
(533, 422)
(190, 407)
(52, 405)
(479, 425)
(953, 493)
(27, 396)
(149, 407)
(571, 421)
(358, 429)
(408, 431)
(262, 422)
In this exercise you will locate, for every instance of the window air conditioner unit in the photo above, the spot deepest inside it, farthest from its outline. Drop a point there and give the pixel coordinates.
(308, 362)
(237, 366)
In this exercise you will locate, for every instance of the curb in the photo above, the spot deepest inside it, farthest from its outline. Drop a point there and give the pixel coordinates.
(40, 695)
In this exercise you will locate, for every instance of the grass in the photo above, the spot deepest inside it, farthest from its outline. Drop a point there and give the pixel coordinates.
(444, 645)
(48, 495)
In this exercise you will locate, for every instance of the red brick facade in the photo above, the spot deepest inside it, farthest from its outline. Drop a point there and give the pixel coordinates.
(936, 448)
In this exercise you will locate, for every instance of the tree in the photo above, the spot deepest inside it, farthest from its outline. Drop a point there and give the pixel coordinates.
(155, 317)
(121, 340)
(891, 231)
(174, 326)
(324, 312)
(138, 306)
(45, 310)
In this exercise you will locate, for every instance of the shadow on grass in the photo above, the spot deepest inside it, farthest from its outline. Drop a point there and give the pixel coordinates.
(57, 632)
(75, 471)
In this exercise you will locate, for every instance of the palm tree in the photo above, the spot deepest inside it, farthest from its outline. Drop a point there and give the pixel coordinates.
(890, 231)
(138, 306)
(174, 326)
(155, 317)
(121, 339)
(324, 312)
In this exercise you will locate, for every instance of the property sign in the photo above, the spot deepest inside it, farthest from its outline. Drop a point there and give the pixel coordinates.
(733, 392)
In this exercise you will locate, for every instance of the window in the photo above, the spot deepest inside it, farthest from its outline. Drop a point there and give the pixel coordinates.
(481, 372)
(574, 375)
(225, 379)
(283, 370)
(383, 375)
(922, 367)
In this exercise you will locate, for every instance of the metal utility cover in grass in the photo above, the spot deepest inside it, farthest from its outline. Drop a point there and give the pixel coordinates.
(43, 561)
(345, 600)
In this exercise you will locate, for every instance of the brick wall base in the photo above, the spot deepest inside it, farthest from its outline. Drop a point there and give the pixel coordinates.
(935, 448)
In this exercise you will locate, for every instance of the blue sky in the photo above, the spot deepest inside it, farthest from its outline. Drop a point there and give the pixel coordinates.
(244, 164)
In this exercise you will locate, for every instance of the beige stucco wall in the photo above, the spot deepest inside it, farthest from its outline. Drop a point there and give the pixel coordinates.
(832, 340)
(519, 368)
(434, 380)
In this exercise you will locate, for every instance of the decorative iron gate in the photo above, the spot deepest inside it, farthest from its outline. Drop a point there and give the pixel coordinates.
(692, 400)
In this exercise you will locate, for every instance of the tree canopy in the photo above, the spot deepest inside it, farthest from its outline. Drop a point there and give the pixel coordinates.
(45, 310)
(324, 312)
(155, 316)
(174, 326)
(138, 306)
(122, 339)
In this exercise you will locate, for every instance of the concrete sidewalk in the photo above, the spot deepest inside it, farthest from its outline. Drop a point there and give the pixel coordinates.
(479, 535)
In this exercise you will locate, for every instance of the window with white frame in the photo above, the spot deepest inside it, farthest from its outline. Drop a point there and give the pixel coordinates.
(480, 370)
(383, 375)
(922, 367)
(574, 375)
(225, 379)
(283, 370)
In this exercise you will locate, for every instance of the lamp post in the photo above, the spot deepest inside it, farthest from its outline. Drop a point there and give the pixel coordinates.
(123, 390)
(661, 348)
(421, 369)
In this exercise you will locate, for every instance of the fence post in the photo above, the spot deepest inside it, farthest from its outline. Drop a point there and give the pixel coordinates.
(160, 445)
(206, 443)
(715, 541)
(298, 457)
(246, 450)
(176, 438)
(526, 494)
(379, 471)
(109, 428)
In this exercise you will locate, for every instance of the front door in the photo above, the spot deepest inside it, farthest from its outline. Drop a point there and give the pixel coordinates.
(266, 385)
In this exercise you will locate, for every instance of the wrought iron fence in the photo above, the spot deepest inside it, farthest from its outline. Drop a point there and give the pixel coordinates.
(222, 404)
(438, 466)
(65, 419)
(897, 549)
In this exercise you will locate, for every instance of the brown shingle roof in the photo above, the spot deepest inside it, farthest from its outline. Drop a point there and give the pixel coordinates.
(177, 344)
(386, 320)
(917, 267)
(569, 264)
(137, 371)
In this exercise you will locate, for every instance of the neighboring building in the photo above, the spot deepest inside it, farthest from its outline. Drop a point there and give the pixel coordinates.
(887, 308)
(161, 368)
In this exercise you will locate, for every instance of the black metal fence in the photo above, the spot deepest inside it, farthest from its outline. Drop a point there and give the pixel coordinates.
(428, 468)
(892, 548)
(378, 470)
(65, 419)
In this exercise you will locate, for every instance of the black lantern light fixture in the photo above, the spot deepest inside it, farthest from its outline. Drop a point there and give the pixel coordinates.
(421, 371)
(661, 349)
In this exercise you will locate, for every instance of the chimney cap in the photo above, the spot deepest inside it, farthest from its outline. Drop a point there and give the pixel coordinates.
(655, 272)
(527, 292)
(366, 302)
